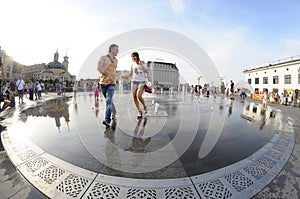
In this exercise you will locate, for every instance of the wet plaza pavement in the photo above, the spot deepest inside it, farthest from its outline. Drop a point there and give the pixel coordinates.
(181, 136)
(152, 147)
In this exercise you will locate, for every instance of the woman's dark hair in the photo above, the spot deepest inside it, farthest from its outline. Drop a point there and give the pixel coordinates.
(137, 56)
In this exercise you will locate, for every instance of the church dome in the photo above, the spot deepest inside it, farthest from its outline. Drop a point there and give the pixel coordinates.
(55, 65)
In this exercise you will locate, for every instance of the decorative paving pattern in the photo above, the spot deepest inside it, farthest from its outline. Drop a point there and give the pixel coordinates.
(72, 186)
(179, 193)
(19, 147)
(141, 194)
(282, 142)
(26, 155)
(285, 137)
(255, 171)
(279, 148)
(274, 154)
(103, 191)
(36, 164)
(214, 189)
(239, 181)
(266, 161)
(51, 174)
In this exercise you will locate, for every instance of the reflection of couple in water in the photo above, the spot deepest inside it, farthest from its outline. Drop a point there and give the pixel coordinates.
(138, 143)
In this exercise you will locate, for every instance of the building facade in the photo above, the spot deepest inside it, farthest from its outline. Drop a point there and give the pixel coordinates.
(163, 74)
(54, 70)
(281, 77)
(7, 69)
(33, 71)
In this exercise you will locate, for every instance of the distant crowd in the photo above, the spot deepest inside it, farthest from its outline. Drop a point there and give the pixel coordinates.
(287, 98)
(31, 90)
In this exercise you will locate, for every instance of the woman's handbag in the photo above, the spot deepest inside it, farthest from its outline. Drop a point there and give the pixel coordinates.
(147, 89)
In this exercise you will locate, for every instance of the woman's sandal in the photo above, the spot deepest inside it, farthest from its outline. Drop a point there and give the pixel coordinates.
(140, 114)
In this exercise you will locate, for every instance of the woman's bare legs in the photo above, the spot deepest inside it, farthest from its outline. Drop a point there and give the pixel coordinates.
(140, 97)
(134, 90)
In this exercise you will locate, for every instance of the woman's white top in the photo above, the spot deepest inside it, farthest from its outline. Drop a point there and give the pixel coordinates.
(290, 98)
(138, 73)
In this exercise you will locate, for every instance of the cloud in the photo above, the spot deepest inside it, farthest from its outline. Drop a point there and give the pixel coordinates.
(230, 49)
(177, 5)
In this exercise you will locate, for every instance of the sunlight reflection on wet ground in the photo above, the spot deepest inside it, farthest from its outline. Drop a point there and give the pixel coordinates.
(182, 139)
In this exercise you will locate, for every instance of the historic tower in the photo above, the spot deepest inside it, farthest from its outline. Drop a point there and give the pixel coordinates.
(56, 55)
(66, 61)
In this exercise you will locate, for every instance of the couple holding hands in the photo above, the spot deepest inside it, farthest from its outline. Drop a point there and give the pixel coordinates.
(107, 67)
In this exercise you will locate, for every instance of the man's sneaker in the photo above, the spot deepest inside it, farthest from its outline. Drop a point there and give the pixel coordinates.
(106, 124)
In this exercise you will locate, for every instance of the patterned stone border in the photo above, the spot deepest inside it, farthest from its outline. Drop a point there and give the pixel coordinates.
(59, 179)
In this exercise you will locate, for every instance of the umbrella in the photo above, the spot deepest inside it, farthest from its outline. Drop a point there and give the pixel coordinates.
(243, 85)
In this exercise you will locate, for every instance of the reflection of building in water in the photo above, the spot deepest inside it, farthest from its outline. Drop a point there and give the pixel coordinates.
(256, 112)
(54, 109)
(163, 74)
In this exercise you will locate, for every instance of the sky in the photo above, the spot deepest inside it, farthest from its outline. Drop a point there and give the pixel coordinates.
(236, 35)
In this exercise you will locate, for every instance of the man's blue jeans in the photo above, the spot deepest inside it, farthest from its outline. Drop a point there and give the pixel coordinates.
(108, 92)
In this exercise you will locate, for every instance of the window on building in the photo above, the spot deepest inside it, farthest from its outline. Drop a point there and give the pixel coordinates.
(256, 90)
(248, 108)
(287, 79)
(275, 90)
(249, 81)
(275, 80)
(257, 80)
(265, 80)
(299, 78)
(254, 109)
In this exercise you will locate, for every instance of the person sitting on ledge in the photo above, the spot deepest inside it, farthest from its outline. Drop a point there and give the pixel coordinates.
(9, 101)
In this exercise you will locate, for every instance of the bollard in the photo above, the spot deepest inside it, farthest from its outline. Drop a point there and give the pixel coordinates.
(156, 108)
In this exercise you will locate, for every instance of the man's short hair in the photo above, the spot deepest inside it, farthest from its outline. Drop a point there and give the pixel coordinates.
(112, 46)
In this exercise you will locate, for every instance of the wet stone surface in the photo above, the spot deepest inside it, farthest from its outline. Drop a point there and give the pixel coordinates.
(181, 136)
(12, 184)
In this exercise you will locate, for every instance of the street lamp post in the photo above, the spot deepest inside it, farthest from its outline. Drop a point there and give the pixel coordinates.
(152, 78)
(199, 78)
(2, 56)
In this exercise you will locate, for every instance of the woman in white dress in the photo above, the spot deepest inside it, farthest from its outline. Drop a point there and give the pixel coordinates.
(265, 98)
(290, 99)
(138, 74)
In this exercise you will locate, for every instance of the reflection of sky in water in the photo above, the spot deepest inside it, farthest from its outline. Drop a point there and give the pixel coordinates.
(67, 125)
